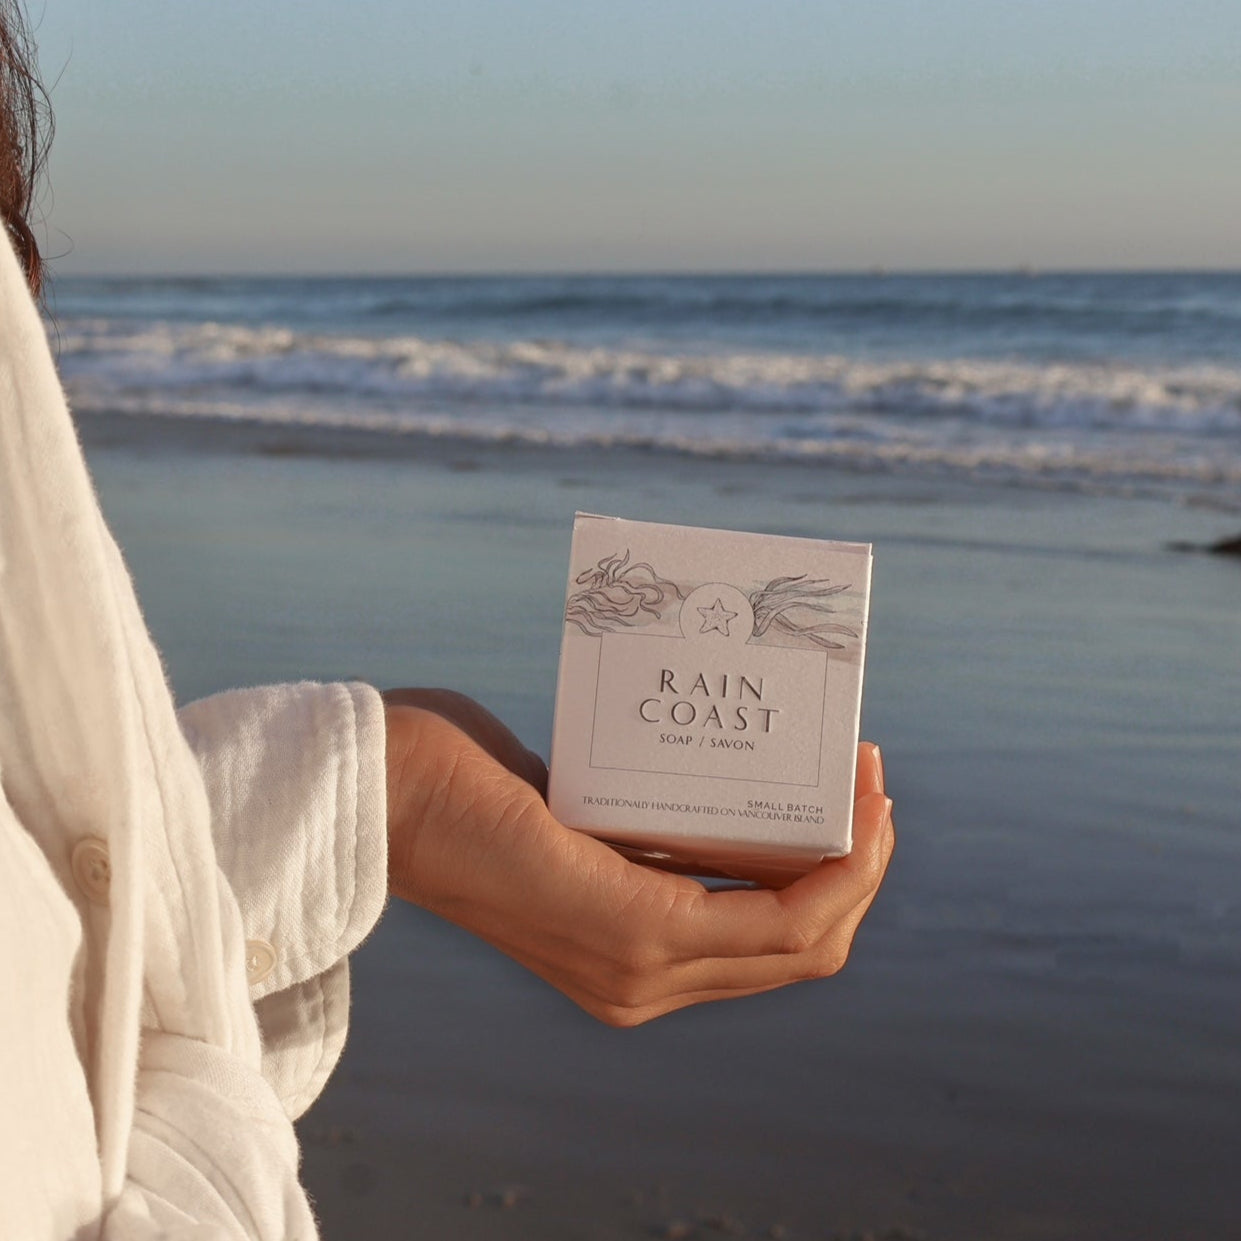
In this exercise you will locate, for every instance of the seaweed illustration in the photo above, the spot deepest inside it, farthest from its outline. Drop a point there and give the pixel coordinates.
(777, 605)
(618, 595)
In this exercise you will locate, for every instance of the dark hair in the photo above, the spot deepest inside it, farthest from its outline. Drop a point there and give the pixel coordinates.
(25, 133)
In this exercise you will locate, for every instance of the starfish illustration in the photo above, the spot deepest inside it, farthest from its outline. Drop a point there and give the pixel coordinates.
(716, 617)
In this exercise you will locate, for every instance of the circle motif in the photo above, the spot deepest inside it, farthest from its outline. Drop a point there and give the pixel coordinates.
(717, 612)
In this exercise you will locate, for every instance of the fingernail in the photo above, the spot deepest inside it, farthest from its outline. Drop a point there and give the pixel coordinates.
(887, 810)
(879, 765)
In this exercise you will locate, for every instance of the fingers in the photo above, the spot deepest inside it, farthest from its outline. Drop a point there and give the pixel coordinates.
(869, 770)
(640, 975)
(718, 978)
(635, 939)
(764, 923)
(630, 999)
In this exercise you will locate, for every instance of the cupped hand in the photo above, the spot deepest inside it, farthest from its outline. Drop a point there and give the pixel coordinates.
(471, 838)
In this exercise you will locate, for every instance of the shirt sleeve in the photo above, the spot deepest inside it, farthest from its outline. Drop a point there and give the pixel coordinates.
(296, 779)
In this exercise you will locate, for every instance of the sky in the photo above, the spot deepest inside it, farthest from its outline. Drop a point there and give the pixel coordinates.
(641, 135)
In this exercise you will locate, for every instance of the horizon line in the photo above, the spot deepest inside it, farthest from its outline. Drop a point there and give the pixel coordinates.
(875, 271)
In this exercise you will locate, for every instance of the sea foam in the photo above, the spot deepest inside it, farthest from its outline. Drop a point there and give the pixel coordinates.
(1124, 380)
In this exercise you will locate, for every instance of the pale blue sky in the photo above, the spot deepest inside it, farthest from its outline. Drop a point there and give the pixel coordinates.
(544, 135)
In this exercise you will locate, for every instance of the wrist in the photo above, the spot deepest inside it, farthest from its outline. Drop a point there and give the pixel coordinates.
(402, 725)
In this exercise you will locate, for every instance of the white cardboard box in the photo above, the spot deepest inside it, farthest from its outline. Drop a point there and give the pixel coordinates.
(709, 694)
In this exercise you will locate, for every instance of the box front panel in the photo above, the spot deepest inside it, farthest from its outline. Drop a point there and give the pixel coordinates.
(709, 690)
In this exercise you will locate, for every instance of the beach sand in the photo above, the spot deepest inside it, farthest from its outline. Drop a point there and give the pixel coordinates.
(1036, 1037)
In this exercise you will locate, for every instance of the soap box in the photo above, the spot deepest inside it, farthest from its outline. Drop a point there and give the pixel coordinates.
(709, 695)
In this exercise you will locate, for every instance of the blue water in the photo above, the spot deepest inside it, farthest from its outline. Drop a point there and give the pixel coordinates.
(1036, 1035)
(1112, 382)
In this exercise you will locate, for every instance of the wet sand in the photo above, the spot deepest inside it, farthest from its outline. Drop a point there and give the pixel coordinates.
(1036, 1037)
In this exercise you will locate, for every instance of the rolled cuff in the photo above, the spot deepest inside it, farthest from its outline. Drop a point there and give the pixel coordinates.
(297, 782)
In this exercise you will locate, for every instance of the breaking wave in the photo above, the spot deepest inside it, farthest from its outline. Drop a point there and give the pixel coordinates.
(103, 360)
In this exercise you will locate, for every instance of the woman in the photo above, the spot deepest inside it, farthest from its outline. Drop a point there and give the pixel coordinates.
(180, 894)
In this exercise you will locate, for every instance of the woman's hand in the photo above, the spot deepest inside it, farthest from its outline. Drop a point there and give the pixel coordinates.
(471, 839)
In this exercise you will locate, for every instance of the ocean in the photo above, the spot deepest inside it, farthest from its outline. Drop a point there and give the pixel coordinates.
(1116, 383)
(1036, 1034)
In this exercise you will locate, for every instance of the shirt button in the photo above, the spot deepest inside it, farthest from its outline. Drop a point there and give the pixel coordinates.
(260, 960)
(92, 869)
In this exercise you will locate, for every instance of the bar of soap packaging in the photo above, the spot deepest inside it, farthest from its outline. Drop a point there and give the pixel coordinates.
(709, 694)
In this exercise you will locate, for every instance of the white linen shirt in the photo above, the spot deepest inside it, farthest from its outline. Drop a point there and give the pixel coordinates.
(177, 898)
